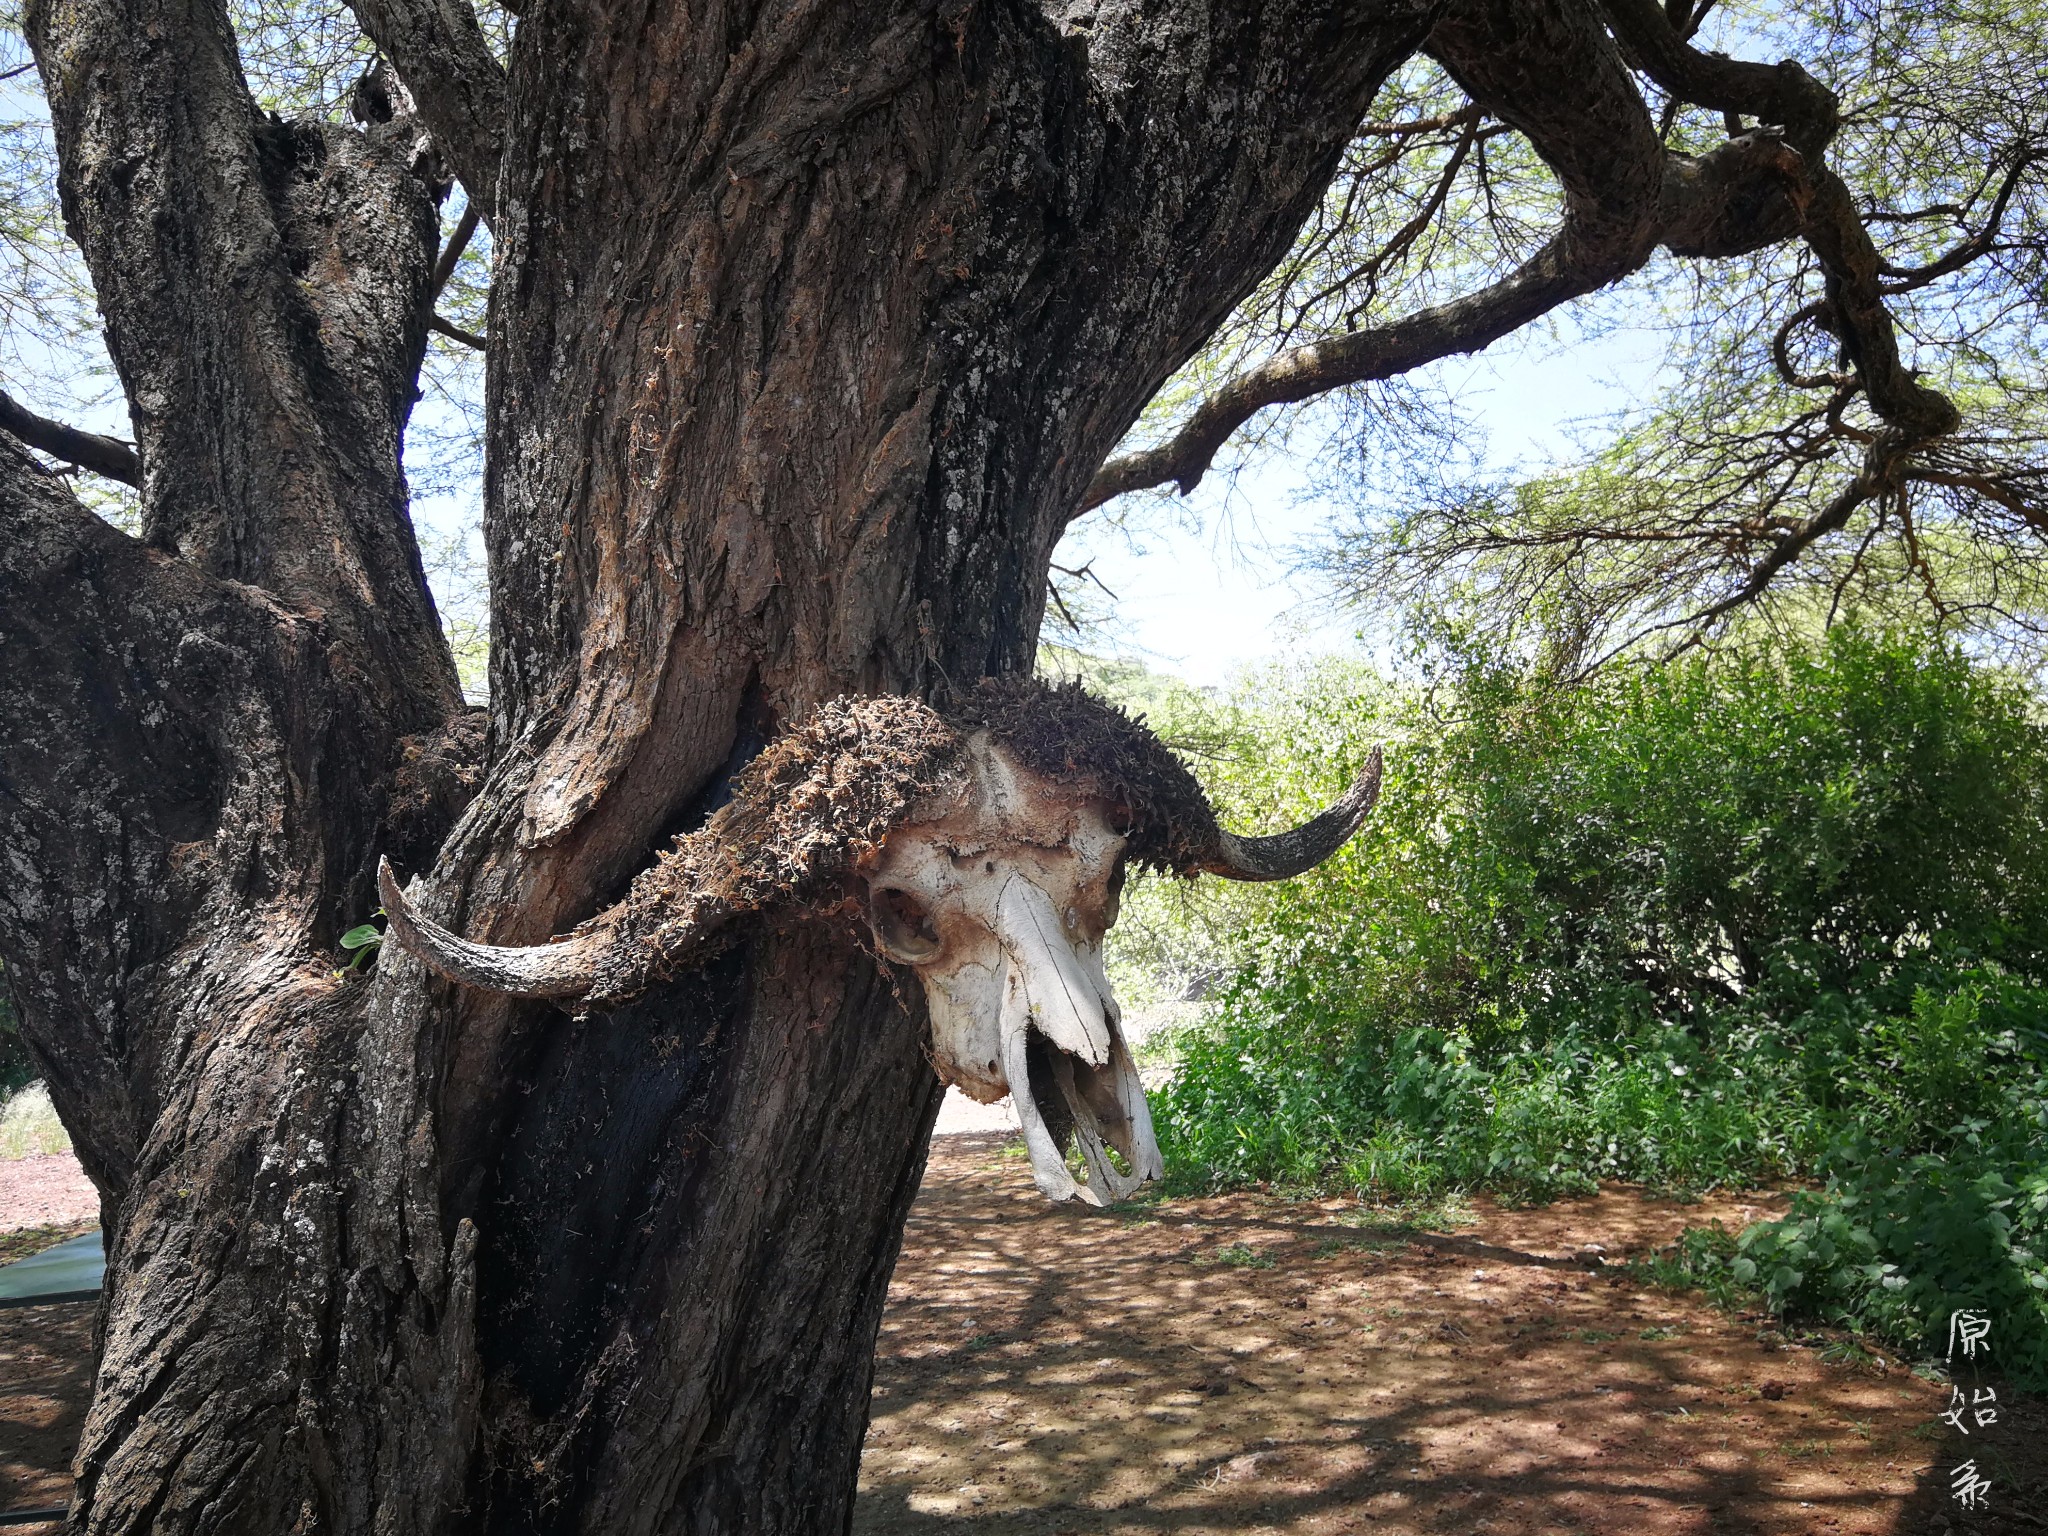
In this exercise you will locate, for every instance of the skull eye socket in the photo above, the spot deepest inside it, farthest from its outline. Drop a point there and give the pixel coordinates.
(903, 925)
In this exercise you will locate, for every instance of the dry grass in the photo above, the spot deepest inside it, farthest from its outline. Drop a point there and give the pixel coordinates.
(29, 1126)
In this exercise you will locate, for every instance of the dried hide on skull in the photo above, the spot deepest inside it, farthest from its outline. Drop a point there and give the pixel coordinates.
(985, 848)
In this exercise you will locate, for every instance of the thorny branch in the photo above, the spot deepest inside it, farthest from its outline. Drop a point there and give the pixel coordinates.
(445, 327)
(1961, 255)
(451, 253)
(1072, 622)
(1788, 546)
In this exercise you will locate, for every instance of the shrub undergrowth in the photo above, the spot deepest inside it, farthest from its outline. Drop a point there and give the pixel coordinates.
(1779, 915)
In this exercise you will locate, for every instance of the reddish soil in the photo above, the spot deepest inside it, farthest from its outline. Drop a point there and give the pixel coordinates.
(1247, 1365)
(45, 1191)
(1244, 1366)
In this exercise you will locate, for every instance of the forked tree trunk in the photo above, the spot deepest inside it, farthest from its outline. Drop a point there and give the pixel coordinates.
(811, 324)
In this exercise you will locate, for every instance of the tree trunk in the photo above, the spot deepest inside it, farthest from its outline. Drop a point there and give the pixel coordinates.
(811, 325)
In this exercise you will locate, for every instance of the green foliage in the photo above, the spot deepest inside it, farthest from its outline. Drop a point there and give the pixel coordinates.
(363, 941)
(1237, 1256)
(1748, 917)
(29, 1126)
(1895, 1247)
(1428, 1111)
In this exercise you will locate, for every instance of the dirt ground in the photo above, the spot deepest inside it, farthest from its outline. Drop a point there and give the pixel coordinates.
(41, 1191)
(45, 1383)
(45, 1352)
(1245, 1366)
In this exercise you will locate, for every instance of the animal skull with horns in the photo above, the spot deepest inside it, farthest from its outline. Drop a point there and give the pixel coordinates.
(985, 848)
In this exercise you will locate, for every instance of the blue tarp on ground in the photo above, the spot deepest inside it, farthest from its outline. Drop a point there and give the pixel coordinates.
(78, 1265)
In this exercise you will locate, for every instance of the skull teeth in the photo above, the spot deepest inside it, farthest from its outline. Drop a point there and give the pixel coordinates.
(1105, 1184)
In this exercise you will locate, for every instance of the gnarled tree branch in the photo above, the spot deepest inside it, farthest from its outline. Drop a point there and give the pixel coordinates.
(1624, 194)
(1783, 94)
(1858, 316)
(107, 456)
(457, 87)
(445, 327)
(264, 285)
(451, 252)
(1382, 352)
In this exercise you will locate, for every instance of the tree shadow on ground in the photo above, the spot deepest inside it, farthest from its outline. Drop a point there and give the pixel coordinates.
(1982, 1479)
(1239, 1365)
(45, 1384)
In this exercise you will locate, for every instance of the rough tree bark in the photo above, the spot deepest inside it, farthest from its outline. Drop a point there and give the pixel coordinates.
(812, 324)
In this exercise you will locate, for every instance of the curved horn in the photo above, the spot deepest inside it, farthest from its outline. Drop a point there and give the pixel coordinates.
(1287, 854)
(566, 969)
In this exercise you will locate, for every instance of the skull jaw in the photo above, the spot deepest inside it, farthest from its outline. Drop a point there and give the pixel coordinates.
(1104, 1103)
(1031, 991)
(1127, 1126)
(986, 1042)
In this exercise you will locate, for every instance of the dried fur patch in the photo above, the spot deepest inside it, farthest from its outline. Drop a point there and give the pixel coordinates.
(817, 800)
(823, 796)
(1069, 736)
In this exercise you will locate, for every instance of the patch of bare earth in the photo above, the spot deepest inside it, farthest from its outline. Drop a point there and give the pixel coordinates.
(45, 1385)
(1246, 1365)
(46, 1191)
(1243, 1366)
(45, 1357)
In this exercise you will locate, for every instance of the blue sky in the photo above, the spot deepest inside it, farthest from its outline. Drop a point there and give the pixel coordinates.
(1221, 592)
(1202, 602)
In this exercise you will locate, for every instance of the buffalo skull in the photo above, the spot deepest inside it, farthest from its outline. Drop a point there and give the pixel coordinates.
(986, 851)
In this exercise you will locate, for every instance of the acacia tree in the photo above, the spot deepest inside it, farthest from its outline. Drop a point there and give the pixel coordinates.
(811, 327)
(1756, 481)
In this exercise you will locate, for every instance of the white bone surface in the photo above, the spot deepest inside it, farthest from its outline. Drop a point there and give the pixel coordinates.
(1001, 906)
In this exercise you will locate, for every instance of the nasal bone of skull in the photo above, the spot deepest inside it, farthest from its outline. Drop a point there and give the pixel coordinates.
(1069, 1008)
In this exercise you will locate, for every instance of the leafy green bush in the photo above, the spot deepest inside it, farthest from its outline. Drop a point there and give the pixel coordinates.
(1897, 1247)
(1429, 1111)
(1936, 1194)
(1779, 913)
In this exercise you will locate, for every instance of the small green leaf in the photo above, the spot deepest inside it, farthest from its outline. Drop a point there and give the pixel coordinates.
(357, 937)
